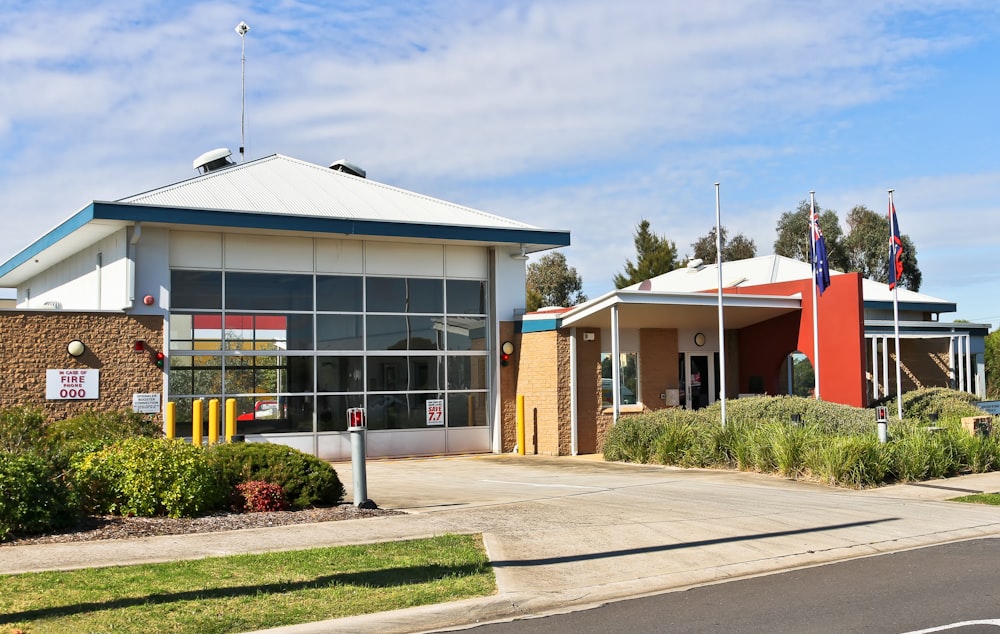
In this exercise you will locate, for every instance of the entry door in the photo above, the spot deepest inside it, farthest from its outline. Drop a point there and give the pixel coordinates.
(698, 380)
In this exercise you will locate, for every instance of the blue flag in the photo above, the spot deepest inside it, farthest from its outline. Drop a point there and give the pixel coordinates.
(821, 263)
(895, 249)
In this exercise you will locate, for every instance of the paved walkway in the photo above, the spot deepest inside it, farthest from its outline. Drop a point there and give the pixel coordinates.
(567, 533)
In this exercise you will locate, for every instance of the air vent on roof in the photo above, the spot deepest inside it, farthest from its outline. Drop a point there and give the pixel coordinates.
(696, 264)
(347, 168)
(53, 305)
(213, 160)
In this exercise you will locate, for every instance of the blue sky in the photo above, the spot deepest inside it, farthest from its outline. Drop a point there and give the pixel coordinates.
(578, 115)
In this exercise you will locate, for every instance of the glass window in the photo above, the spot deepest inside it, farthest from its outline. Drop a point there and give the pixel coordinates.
(386, 332)
(399, 411)
(339, 293)
(269, 291)
(340, 374)
(629, 389)
(466, 410)
(340, 332)
(331, 410)
(196, 289)
(388, 373)
(269, 332)
(198, 331)
(426, 373)
(425, 296)
(466, 333)
(467, 373)
(284, 414)
(466, 297)
(426, 333)
(386, 294)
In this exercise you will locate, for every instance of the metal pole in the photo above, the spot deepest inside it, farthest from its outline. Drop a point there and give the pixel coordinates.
(813, 223)
(722, 328)
(895, 321)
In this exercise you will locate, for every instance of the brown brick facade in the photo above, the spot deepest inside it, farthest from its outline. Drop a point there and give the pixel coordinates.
(32, 342)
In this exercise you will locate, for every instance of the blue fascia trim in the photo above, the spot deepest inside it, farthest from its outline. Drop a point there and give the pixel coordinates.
(73, 223)
(957, 328)
(920, 306)
(538, 325)
(345, 226)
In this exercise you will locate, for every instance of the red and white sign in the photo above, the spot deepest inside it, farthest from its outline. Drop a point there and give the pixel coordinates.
(72, 385)
(435, 411)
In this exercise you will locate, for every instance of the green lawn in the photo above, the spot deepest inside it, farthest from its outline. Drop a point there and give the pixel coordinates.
(980, 498)
(248, 592)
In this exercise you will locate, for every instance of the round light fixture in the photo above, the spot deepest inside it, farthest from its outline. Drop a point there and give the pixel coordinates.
(699, 339)
(75, 348)
(507, 347)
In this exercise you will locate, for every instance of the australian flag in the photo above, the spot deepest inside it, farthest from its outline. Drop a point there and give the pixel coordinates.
(821, 262)
(895, 249)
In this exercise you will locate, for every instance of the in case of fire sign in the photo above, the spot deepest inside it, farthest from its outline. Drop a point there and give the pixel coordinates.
(61, 385)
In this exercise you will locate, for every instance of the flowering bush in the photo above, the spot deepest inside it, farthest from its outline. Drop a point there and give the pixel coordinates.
(258, 496)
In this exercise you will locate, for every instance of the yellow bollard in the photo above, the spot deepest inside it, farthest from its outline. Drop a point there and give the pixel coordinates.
(230, 419)
(171, 419)
(520, 424)
(196, 421)
(213, 421)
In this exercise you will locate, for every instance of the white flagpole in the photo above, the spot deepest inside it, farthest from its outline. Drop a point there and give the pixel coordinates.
(722, 330)
(815, 305)
(895, 314)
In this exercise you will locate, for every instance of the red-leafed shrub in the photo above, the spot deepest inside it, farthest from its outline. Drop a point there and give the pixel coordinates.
(258, 496)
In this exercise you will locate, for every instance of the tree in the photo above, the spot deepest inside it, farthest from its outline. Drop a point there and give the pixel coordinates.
(552, 283)
(867, 248)
(739, 248)
(794, 240)
(992, 362)
(655, 255)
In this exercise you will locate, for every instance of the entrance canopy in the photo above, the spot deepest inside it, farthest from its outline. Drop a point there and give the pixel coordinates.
(652, 309)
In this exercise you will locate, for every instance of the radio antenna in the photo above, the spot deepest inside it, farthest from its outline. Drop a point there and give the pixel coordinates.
(241, 29)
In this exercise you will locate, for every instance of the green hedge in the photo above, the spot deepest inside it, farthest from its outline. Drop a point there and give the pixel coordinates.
(832, 443)
(148, 477)
(34, 496)
(305, 479)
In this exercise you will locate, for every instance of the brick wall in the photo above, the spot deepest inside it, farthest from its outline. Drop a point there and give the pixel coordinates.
(32, 342)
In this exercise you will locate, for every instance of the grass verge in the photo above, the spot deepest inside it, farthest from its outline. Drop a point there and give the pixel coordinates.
(980, 498)
(248, 592)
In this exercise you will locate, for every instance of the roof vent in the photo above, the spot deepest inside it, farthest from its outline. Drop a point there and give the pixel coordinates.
(53, 305)
(213, 160)
(347, 168)
(696, 264)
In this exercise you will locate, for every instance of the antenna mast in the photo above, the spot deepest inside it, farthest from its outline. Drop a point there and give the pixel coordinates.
(241, 29)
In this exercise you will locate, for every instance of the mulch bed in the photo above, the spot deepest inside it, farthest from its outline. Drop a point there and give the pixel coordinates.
(97, 527)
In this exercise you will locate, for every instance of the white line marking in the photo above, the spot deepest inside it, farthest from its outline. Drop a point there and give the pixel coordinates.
(955, 626)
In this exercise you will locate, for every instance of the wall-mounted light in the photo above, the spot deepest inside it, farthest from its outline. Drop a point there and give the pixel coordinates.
(506, 349)
(699, 339)
(523, 255)
(75, 348)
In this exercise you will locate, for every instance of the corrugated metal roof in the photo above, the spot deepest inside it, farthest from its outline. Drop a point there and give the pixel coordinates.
(768, 269)
(279, 184)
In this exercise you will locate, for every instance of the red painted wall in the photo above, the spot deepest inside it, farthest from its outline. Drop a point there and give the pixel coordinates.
(841, 321)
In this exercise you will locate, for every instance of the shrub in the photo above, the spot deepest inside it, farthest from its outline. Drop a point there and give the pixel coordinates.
(306, 480)
(92, 431)
(148, 477)
(34, 497)
(948, 405)
(851, 461)
(257, 496)
(22, 429)
(632, 438)
(673, 443)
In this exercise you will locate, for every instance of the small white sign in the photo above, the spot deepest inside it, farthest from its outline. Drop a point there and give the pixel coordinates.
(146, 403)
(72, 385)
(435, 411)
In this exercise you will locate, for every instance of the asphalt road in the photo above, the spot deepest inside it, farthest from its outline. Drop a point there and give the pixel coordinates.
(950, 588)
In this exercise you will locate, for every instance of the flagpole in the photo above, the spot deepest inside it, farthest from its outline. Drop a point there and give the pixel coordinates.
(895, 311)
(722, 331)
(815, 306)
